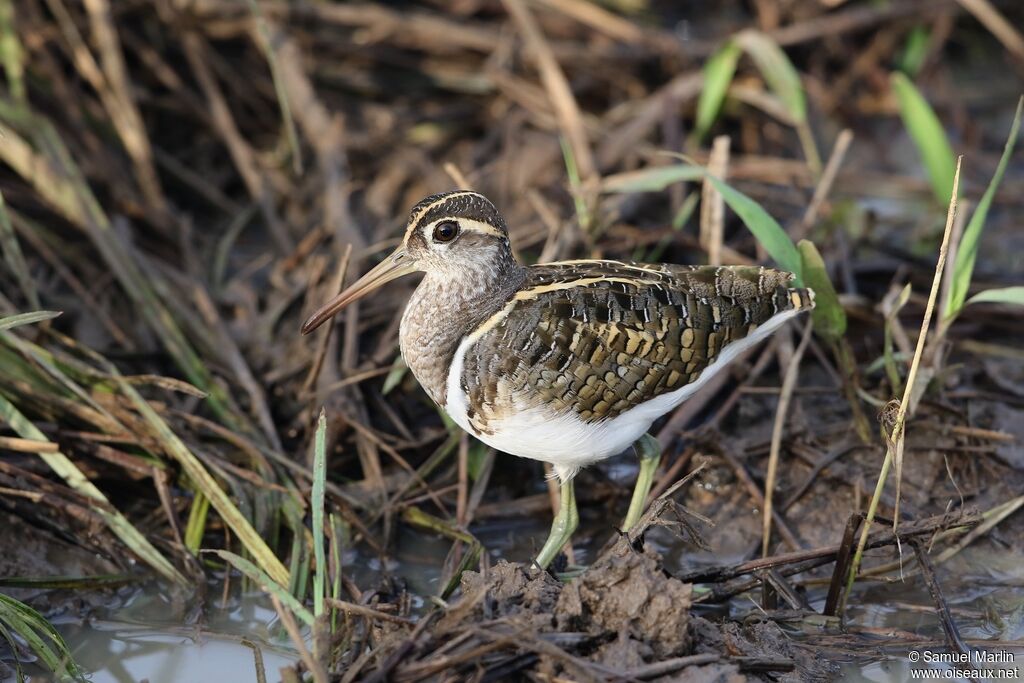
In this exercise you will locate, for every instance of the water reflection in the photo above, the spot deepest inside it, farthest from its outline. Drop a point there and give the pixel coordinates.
(145, 640)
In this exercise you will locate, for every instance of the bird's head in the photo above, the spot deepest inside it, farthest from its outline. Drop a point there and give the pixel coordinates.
(455, 235)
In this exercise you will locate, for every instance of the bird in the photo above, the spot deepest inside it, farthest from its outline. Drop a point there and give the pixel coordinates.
(568, 362)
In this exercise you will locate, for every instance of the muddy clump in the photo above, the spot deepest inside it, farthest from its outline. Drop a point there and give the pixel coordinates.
(630, 596)
(622, 617)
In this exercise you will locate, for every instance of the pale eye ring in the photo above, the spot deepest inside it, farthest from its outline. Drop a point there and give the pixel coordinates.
(446, 231)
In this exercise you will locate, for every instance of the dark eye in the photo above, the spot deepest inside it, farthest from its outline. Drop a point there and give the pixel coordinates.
(446, 231)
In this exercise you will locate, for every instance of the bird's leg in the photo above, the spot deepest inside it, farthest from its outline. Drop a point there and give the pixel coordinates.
(564, 525)
(649, 451)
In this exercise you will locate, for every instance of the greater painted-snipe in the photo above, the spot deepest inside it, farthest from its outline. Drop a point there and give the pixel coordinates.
(567, 362)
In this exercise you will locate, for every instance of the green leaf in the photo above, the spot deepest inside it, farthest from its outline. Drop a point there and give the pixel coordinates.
(967, 252)
(477, 457)
(765, 228)
(395, 375)
(915, 50)
(776, 69)
(264, 581)
(12, 321)
(928, 135)
(718, 73)
(1006, 295)
(828, 314)
(654, 179)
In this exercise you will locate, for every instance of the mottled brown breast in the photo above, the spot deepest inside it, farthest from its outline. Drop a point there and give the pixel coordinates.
(599, 337)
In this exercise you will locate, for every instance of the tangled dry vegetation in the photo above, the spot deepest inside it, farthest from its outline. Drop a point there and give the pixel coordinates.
(185, 181)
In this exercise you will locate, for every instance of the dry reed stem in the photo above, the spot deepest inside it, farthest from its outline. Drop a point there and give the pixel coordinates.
(895, 439)
(996, 23)
(781, 413)
(824, 186)
(570, 120)
(325, 337)
(712, 205)
(245, 160)
(460, 180)
(292, 628)
(131, 127)
(600, 19)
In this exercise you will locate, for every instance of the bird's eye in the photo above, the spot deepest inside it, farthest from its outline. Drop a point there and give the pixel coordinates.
(446, 231)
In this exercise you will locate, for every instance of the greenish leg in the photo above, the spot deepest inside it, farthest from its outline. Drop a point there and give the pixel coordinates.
(649, 451)
(564, 525)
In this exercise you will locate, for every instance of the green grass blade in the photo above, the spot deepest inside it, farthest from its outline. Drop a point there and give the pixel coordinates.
(268, 584)
(1006, 295)
(8, 637)
(266, 43)
(765, 228)
(572, 170)
(651, 179)
(928, 135)
(42, 638)
(317, 503)
(718, 74)
(967, 252)
(915, 51)
(205, 483)
(778, 72)
(195, 528)
(12, 321)
(74, 477)
(395, 375)
(12, 54)
(828, 314)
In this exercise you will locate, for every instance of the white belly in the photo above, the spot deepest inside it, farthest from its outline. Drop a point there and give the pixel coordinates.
(566, 441)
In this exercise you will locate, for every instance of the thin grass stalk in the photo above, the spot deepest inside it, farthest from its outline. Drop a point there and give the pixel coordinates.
(317, 503)
(295, 558)
(288, 621)
(12, 321)
(895, 440)
(785, 397)
(266, 45)
(583, 216)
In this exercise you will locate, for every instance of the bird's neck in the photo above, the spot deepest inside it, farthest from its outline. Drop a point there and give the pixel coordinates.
(444, 309)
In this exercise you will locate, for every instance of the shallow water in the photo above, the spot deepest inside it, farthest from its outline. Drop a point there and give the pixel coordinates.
(146, 638)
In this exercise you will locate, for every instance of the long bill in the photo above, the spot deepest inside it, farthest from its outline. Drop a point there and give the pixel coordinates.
(394, 266)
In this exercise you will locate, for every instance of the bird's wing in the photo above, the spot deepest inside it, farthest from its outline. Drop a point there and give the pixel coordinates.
(599, 337)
